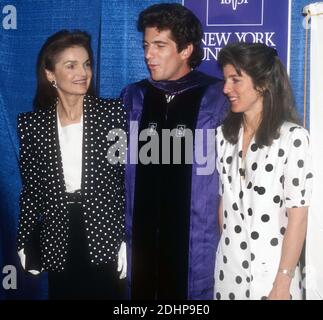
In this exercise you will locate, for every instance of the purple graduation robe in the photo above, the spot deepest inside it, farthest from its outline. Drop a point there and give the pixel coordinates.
(203, 230)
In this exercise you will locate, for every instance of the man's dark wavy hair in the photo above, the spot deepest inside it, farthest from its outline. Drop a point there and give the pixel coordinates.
(185, 27)
(270, 79)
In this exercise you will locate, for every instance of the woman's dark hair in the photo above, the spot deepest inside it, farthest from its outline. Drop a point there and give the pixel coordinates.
(270, 79)
(185, 27)
(46, 94)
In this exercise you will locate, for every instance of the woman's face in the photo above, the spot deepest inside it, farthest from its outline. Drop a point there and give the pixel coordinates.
(241, 92)
(72, 72)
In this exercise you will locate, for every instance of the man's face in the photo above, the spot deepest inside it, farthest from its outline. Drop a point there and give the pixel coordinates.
(161, 56)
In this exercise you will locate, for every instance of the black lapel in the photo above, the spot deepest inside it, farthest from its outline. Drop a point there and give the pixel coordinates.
(55, 147)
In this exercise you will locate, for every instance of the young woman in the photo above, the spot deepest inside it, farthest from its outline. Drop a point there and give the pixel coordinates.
(265, 172)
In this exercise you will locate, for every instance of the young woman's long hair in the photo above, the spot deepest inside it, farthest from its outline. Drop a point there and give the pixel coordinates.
(270, 79)
(46, 94)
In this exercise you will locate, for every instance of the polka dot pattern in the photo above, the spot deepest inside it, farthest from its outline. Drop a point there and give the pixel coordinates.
(43, 193)
(255, 206)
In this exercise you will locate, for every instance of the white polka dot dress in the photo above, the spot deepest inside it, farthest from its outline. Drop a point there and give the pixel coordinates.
(43, 196)
(256, 193)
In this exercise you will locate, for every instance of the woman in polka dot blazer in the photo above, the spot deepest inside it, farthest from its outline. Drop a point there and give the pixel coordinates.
(265, 171)
(71, 192)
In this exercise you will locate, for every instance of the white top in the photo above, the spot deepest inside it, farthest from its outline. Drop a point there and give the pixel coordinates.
(70, 141)
(255, 210)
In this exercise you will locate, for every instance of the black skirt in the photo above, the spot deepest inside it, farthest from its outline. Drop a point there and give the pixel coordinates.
(81, 279)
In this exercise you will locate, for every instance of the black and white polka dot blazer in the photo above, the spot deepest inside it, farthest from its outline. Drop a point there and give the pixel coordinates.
(43, 195)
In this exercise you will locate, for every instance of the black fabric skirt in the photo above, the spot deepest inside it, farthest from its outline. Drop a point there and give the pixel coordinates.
(81, 279)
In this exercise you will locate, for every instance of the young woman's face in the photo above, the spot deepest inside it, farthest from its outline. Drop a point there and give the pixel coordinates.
(72, 72)
(241, 92)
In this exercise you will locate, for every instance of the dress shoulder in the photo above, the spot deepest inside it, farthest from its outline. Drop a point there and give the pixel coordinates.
(32, 119)
(105, 104)
(292, 131)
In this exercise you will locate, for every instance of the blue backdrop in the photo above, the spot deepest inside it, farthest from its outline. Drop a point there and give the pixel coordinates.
(117, 46)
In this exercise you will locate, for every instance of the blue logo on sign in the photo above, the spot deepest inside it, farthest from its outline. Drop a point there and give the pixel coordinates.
(235, 12)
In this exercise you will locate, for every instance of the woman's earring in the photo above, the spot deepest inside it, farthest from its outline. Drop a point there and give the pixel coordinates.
(54, 84)
(261, 91)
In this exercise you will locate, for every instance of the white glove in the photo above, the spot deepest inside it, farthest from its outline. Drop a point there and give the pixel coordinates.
(122, 260)
(22, 257)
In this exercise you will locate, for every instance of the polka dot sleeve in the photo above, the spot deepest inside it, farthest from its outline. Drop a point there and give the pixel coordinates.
(119, 121)
(298, 174)
(29, 200)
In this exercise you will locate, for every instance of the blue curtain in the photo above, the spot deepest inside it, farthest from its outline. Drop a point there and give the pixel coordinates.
(117, 46)
(298, 55)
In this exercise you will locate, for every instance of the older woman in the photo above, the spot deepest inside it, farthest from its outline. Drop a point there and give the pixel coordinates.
(265, 170)
(73, 196)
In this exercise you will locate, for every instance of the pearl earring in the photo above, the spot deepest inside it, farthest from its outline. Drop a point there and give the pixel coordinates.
(54, 84)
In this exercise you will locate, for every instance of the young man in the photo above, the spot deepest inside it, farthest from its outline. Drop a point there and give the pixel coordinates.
(171, 215)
